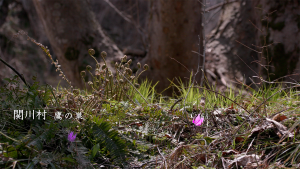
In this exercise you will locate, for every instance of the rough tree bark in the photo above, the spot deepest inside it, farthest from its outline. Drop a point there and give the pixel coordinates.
(35, 23)
(3, 11)
(174, 26)
(72, 29)
(278, 24)
(225, 53)
(235, 47)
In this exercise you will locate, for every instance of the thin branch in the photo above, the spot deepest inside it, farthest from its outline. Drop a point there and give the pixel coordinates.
(264, 46)
(201, 3)
(255, 26)
(219, 4)
(212, 16)
(181, 64)
(246, 64)
(197, 53)
(165, 161)
(124, 16)
(129, 19)
(177, 101)
(247, 47)
(21, 77)
(273, 82)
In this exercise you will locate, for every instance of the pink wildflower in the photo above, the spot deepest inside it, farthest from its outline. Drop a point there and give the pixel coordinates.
(198, 120)
(72, 136)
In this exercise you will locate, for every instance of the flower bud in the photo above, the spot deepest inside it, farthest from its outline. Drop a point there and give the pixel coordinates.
(82, 73)
(129, 61)
(75, 92)
(98, 65)
(146, 67)
(103, 54)
(139, 65)
(128, 71)
(136, 85)
(88, 67)
(97, 72)
(91, 51)
(124, 59)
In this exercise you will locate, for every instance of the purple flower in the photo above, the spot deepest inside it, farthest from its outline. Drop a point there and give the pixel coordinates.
(198, 120)
(71, 136)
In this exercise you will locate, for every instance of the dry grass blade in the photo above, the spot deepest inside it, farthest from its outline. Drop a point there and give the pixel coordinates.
(259, 106)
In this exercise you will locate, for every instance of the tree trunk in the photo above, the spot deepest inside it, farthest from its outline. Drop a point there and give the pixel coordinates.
(228, 58)
(235, 50)
(3, 11)
(35, 23)
(72, 29)
(279, 29)
(174, 26)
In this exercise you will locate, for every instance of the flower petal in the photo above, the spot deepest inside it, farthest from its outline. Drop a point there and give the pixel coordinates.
(72, 136)
(197, 118)
(200, 122)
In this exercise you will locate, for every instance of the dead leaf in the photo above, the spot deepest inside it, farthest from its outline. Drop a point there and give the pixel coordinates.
(279, 117)
(168, 135)
(243, 160)
(277, 127)
(239, 139)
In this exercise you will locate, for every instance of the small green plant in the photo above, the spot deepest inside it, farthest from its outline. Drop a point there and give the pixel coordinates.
(124, 122)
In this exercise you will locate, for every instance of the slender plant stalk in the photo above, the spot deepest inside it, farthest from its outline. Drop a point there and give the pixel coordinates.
(21, 77)
(133, 86)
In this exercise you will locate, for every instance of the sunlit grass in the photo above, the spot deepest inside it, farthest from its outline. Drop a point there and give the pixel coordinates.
(124, 120)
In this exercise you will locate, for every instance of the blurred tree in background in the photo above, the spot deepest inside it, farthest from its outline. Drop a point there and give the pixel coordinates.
(243, 37)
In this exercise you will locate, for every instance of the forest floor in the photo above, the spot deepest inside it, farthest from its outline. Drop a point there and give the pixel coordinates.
(118, 123)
